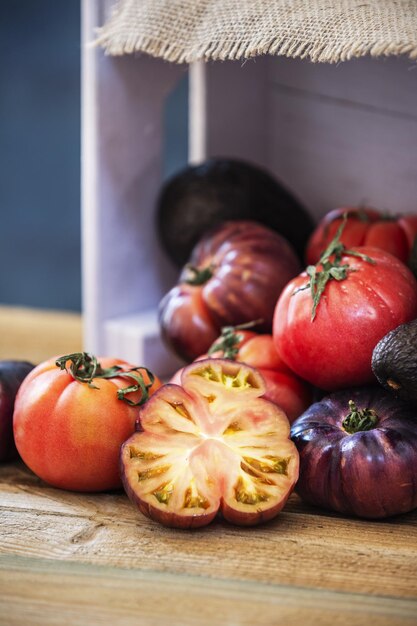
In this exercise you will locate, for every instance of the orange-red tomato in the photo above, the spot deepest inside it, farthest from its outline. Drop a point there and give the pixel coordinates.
(365, 227)
(69, 432)
(283, 386)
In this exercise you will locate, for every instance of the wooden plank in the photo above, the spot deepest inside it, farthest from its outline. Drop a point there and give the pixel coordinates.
(334, 154)
(37, 591)
(236, 110)
(36, 335)
(302, 547)
(386, 86)
(124, 269)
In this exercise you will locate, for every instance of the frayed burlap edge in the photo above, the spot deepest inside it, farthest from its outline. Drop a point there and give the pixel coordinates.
(128, 32)
(220, 50)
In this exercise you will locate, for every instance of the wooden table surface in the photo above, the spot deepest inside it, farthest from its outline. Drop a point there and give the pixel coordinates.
(86, 559)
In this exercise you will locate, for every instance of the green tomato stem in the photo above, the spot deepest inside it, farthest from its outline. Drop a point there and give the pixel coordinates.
(84, 367)
(198, 276)
(230, 339)
(331, 267)
(359, 419)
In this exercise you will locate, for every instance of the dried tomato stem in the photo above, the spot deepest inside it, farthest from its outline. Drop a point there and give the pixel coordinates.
(84, 367)
(359, 419)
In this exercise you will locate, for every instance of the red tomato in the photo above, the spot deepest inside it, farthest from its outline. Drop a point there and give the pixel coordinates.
(69, 432)
(365, 227)
(288, 391)
(334, 349)
(212, 444)
(235, 275)
(283, 387)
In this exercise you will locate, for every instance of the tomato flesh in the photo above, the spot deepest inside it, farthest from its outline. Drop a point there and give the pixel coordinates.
(212, 444)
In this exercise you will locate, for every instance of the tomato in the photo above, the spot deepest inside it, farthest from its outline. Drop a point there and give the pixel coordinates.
(70, 419)
(186, 324)
(365, 227)
(283, 387)
(12, 373)
(212, 444)
(329, 319)
(235, 275)
(358, 453)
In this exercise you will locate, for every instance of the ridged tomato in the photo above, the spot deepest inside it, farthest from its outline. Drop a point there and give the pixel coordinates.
(358, 453)
(235, 275)
(365, 227)
(72, 414)
(212, 444)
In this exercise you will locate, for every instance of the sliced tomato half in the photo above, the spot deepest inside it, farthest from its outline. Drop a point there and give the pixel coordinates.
(211, 444)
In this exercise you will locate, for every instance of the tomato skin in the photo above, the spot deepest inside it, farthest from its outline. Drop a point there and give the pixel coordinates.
(249, 265)
(364, 227)
(186, 325)
(259, 351)
(370, 473)
(335, 349)
(288, 391)
(212, 444)
(70, 434)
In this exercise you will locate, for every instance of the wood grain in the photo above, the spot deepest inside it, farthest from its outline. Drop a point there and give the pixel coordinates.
(36, 334)
(73, 593)
(304, 563)
(344, 135)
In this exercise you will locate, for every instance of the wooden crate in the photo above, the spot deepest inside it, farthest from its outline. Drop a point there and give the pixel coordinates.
(334, 134)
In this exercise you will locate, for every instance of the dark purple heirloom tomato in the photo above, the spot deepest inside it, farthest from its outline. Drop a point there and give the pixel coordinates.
(358, 453)
(12, 374)
(235, 275)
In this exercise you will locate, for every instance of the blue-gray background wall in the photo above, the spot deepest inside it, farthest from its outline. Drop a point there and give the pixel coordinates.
(40, 154)
(40, 58)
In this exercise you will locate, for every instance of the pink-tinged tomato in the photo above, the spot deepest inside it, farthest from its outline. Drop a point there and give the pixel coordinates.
(283, 387)
(329, 319)
(358, 453)
(212, 444)
(72, 414)
(235, 275)
(365, 227)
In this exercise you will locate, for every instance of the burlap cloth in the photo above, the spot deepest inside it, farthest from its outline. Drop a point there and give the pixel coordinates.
(321, 30)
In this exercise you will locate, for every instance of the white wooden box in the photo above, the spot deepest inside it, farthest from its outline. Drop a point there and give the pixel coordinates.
(334, 134)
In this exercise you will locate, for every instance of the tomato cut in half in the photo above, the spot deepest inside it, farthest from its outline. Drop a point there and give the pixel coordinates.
(211, 444)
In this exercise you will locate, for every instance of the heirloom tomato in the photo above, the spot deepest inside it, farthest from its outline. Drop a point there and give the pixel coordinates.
(358, 453)
(72, 415)
(329, 319)
(210, 444)
(235, 275)
(365, 227)
(283, 387)
(12, 374)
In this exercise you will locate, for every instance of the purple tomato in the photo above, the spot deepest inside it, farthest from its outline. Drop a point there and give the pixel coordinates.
(358, 453)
